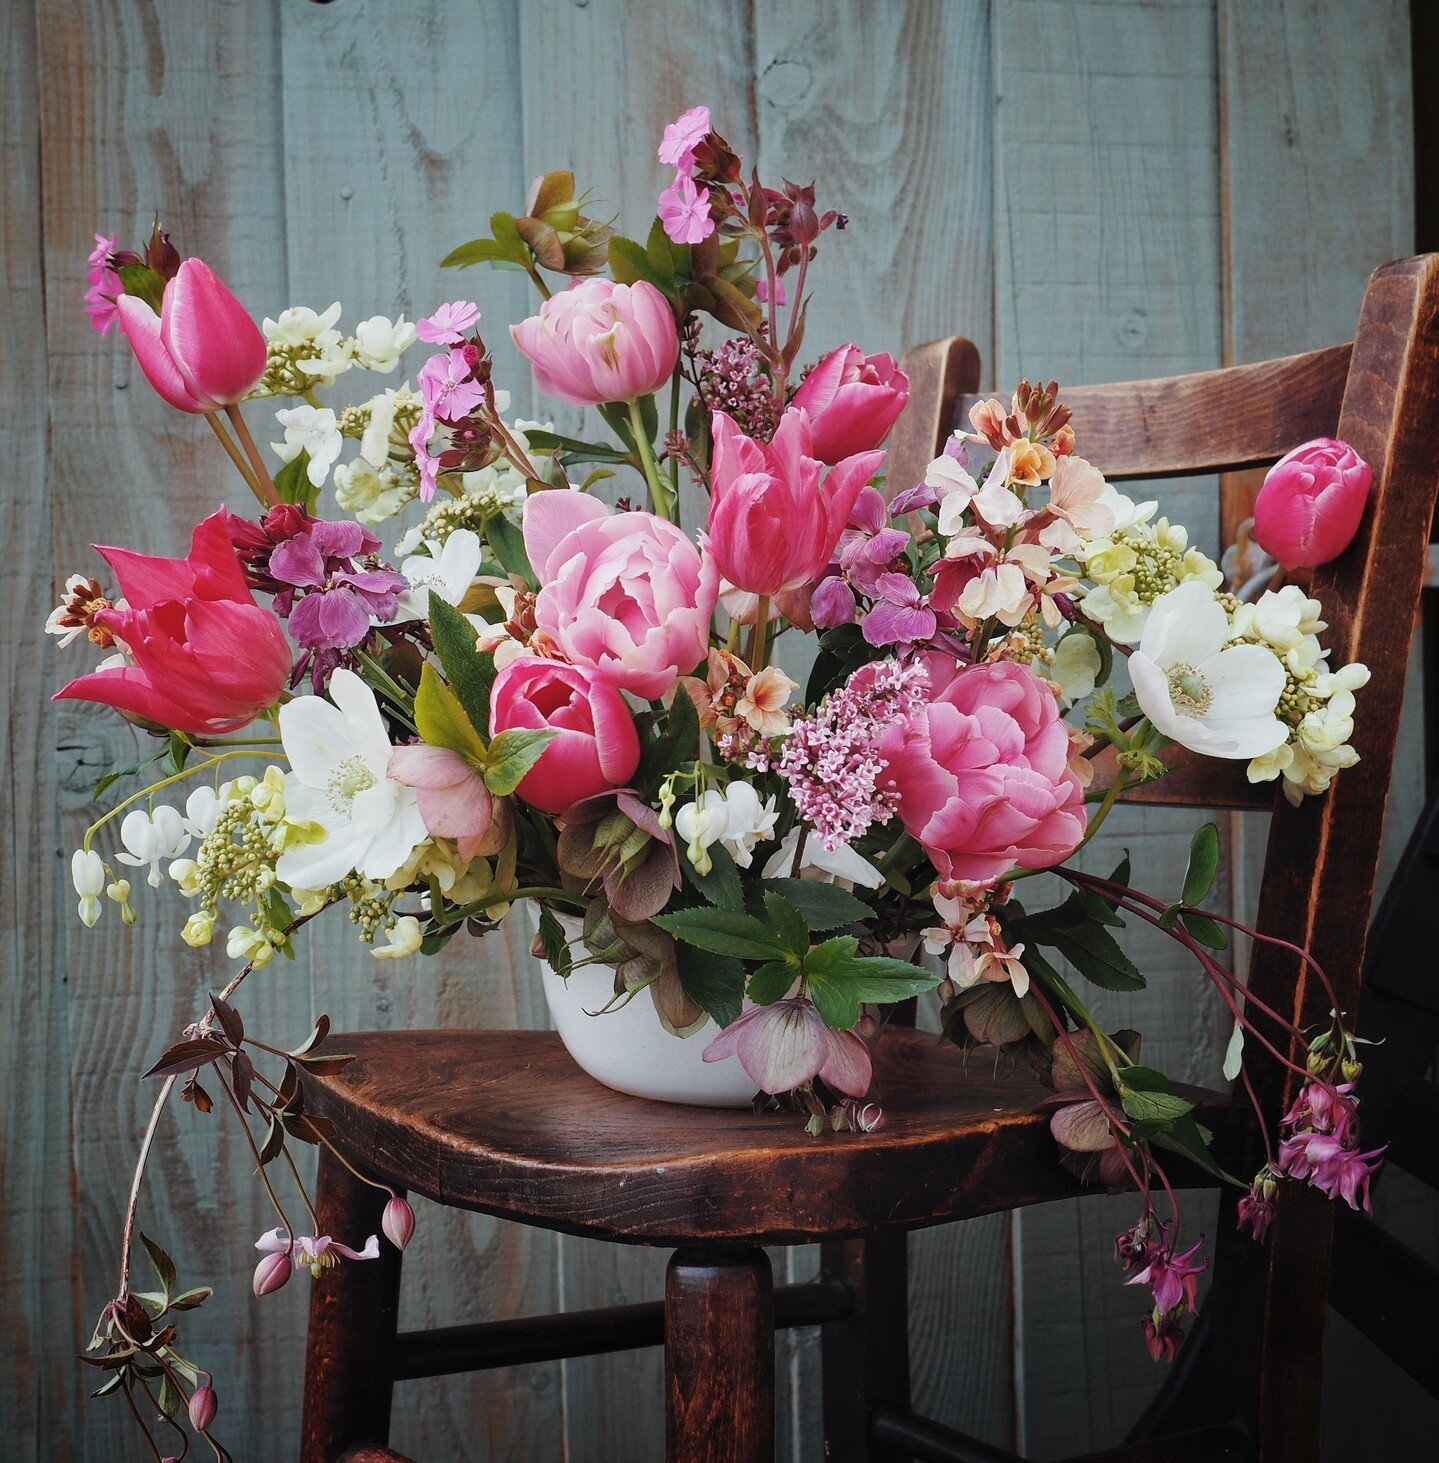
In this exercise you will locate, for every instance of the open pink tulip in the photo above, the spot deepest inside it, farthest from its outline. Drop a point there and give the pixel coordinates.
(786, 1044)
(453, 798)
(1309, 508)
(775, 514)
(626, 593)
(206, 658)
(852, 400)
(597, 747)
(202, 351)
(600, 341)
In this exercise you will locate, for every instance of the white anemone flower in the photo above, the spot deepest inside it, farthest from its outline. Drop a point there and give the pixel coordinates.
(448, 569)
(340, 757)
(843, 866)
(1214, 700)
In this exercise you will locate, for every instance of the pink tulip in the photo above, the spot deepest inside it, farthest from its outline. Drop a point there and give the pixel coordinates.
(1309, 508)
(852, 400)
(775, 514)
(597, 747)
(982, 775)
(205, 658)
(599, 341)
(625, 593)
(202, 351)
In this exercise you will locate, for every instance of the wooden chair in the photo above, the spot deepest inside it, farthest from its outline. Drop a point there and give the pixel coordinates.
(504, 1123)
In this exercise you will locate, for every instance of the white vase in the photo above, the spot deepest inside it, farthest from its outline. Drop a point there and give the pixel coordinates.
(628, 1049)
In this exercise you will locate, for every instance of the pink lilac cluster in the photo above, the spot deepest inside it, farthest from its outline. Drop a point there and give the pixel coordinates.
(733, 379)
(1149, 1257)
(453, 385)
(1321, 1145)
(832, 760)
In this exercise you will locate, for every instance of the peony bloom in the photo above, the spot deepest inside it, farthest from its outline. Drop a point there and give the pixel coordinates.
(784, 1045)
(852, 400)
(597, 747)
(1214, 700)
(203, 657)
(202, 351)
(982, 775)
(775, 514)
(626, 593)
(1309, 508)
(599, 341)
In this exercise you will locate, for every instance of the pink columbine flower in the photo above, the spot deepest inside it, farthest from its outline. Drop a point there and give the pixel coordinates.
(314, 1252)
(784, 1045)
(1173, 1278)
(103, 286)
(682, 136)
(684, 211)
(1335, 1170)
(453, 799)
(449, 324)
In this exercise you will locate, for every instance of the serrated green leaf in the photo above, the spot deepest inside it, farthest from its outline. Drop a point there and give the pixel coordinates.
(1203, 865)
(825, 907)
(441, 720)
(676, 744)
(553, 942)
(722, 932)
(1147, 1093)
(1204, 929)
(1093, 952)
(511, 756)
(470, 674)
(840, 980)
(630, 262)
(721, 886)
(713, 982)
(509, 546)
(788, 923)
(772, 982)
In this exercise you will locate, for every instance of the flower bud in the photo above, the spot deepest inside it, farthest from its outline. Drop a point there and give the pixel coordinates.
(1311, 503)
(203, 1407)
(271, 1274)
(398, 1222)
(1351, 1068)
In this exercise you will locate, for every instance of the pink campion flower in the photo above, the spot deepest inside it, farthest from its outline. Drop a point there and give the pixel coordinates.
(784, 1045)
(1312, 501)
(775, 514)
(447, 388)
(682, 136)
(202, 351)
(201, 656)
(449, 324)
(453, 799)
(684, 210)
(981, 775)
(314, 1252)
(599, 341)
(103, 286)
(597, 747)
(852, 400)
(626, 593)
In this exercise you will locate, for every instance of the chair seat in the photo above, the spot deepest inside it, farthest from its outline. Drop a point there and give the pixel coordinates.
(506, 1123)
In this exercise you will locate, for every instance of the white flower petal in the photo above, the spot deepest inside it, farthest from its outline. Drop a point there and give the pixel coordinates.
(1187, 625)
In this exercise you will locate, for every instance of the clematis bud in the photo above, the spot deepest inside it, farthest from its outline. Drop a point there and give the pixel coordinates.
(203, 1407)
(398, 1222)
(1309, 508)
(271, 1274)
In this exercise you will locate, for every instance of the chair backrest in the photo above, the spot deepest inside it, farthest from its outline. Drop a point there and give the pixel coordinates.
(1380, 394)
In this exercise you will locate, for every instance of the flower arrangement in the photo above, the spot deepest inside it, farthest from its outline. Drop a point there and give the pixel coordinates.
(532, 696)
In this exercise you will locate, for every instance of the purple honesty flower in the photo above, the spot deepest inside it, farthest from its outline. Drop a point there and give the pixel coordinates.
(832, 603)
(784, 1045)
(331, 602)
(868, 546)
(901, 615)
(913, 499)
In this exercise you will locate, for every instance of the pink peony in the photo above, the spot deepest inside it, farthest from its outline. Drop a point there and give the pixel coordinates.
(626, 593)
(852, 400)
(1309, 508)
(775, 514)
(599, 341)
(597, 747)
(204, 657)
(982, 775)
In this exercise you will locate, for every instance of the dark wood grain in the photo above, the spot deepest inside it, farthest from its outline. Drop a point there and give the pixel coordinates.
(939, 375)
(1192, 782)
(719, 1356)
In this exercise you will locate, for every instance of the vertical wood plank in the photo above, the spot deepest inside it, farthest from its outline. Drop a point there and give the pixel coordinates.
(402, 135)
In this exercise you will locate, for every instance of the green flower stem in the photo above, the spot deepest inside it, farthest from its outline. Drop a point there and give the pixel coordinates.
(238, 458)
(757, 635)
(1065, 994)
(666, 502)
(155, 787)
(534, 891)
(674, 465)
(265, 488)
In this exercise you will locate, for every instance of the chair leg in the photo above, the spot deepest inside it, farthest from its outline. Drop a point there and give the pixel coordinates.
(719, 1356)
(354, 1307)
(865, 1354)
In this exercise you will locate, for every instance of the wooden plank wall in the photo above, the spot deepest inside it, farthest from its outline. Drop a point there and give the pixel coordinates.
(1092, 189)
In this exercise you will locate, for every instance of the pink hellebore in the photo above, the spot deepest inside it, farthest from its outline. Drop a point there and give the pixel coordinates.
(784, 1045)
(204, 657)
(982, 775)
(202, 351)
(599, 341)
(313, 1252)
(684, 211)
(453, 798)
(1309, 508)
(626, 593)
(775, 514)
(852, 400)
(597, 747)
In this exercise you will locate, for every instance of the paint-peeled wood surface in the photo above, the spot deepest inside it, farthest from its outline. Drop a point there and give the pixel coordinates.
(1091, 190)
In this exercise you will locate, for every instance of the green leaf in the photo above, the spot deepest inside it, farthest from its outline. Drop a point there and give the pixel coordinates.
(553, 942)
(573, 448)
(1185, 1136)
(629, 263)
(144, 283)
(722, 932)
(507, 236)
(441, 720)
(789, 924)
(477, 251)
(1147, 1093)
(713, 982)
(1203, 864)
(1092, 951)
(470, 674)
(111, 778)
(824, 906)
(721, 885)
(1204, 929)
(511, 756)
(840, 979)
(164, 1265)
(293, 484)
(509, 546)
(675, 745)
(772, 982)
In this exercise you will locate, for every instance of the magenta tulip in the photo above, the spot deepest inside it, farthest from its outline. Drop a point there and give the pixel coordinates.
(202, 351)
(597, 747)
(775, 514)
(852, 400)
(1309, 508)
(203, 657)
(599, 341)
